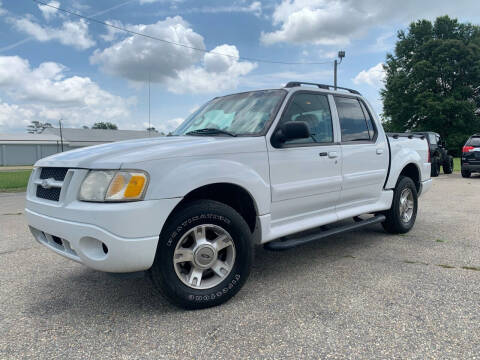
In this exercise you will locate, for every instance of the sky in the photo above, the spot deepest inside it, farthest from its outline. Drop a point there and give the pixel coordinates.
(54, 65)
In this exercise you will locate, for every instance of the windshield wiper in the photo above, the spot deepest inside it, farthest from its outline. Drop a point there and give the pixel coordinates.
(210, 131)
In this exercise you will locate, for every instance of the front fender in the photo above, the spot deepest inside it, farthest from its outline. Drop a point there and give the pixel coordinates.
(171, 178)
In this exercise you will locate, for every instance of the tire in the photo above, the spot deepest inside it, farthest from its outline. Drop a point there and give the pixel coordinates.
(466, 173)
(394, 223)
(448, 165)
(195, 233)
(435, 170)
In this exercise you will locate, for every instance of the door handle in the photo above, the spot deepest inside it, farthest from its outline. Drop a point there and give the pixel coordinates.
(323, 154)
(379, 151)
(332, 154)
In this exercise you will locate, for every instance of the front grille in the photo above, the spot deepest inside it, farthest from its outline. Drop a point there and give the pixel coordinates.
(52, 193)
(48, 194)
(53, 173)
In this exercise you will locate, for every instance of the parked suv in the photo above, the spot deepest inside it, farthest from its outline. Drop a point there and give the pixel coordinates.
(438, 153)
(259, 167)
(471, 156)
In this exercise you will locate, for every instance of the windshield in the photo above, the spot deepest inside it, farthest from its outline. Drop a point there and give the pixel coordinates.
(238, 114)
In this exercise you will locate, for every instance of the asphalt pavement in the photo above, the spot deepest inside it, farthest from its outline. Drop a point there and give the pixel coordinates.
(361, 295)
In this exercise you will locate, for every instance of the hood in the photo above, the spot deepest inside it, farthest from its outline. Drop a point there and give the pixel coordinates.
(124, 153)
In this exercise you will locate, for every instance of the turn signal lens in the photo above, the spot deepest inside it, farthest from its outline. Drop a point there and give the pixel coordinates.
(126, 186)
(467, 148)
(135, 186)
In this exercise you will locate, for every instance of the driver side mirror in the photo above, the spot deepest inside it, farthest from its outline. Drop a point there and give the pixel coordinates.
(291, 130)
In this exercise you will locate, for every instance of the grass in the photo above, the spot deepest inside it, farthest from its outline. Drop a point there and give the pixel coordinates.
(474, 268)
(14, 180)
(456, 164)
(446, 266)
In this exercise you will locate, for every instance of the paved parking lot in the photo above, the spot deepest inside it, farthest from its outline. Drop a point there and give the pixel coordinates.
(360, 295)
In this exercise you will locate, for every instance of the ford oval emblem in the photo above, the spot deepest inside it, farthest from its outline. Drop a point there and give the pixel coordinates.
(46, 183)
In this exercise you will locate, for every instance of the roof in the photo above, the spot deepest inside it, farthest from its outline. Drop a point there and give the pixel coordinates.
(22, 138)
(90, 136)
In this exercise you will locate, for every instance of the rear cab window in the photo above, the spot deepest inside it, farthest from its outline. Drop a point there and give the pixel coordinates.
(355, 121)
(473, 141)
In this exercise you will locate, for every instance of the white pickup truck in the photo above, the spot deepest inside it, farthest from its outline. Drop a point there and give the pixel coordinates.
(257, 167)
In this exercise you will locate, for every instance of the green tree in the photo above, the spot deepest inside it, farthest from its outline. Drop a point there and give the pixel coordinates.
(433, 80)
(105, 125)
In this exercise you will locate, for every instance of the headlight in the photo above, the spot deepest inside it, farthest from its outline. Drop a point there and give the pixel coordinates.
(110, 185)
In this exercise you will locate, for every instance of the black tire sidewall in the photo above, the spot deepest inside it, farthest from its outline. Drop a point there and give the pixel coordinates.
(466, 173)
(448, 165)
(202, 212)
(435, 167)
(401, 226)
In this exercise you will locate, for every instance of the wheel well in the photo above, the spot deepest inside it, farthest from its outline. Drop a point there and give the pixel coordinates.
(229, 194)
(412, 172)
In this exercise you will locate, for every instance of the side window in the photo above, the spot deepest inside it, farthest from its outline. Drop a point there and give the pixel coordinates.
(352, 120)
(370, 123)
(433, 139)
(314, 110)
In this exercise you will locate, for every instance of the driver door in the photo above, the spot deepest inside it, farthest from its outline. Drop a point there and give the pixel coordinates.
(305, 174)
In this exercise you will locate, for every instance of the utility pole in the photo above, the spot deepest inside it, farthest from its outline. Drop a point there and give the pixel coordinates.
(341, 55)
(335, 65)
(61, 135)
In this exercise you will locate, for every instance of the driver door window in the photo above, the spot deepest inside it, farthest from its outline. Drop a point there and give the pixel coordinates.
(314, 110)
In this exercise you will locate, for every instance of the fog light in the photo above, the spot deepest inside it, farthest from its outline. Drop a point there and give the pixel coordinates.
(93, 248)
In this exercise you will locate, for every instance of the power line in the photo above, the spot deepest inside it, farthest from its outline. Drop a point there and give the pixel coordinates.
(175, 43)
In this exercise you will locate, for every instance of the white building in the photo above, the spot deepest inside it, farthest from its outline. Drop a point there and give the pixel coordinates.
(26, 149)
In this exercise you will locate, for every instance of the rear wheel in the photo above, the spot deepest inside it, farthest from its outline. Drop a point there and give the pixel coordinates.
(448, 165)
(466, 173)
(435, 170)
(401, 216)
(204, 255)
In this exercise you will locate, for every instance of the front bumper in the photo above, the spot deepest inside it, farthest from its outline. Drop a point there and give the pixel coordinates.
(103, 243)
(471, 167)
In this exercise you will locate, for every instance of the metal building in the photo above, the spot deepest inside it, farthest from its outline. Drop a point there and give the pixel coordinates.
(26, 149)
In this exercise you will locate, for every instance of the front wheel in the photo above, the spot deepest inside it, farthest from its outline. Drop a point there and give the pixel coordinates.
(401, 216)
(204, 255)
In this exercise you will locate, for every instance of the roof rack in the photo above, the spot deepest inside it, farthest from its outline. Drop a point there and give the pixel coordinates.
(321, 86)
